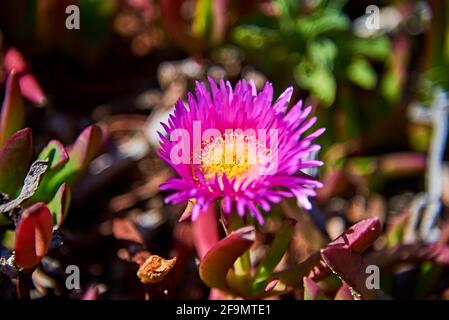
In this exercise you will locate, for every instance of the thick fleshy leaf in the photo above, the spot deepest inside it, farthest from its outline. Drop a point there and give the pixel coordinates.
(84, 150)
(81, 153)
(56, 154)
(60, 204)
(14, 159)
(221, 257)
(12, 117)
(312, 291)
(344, 293)
(359, 236)
(15, 61)
(356, 239)
(33, 236)
(351, 268)
(413, 253)
(29, 87)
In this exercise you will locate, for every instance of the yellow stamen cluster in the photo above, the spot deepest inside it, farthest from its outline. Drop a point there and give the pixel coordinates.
(236, 155)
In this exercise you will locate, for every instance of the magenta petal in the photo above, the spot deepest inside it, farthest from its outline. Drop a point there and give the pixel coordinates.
(222, 108)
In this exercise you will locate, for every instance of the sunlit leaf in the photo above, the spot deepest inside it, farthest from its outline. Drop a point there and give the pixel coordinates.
(60, 204)
(351, 268)
(221, 257)
(55, 153)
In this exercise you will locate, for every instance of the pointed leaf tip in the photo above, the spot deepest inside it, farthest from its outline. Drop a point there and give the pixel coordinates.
(12, 117)
(311, 290)
(56, 154)
(359, 236)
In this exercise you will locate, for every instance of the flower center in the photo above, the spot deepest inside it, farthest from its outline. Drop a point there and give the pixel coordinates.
(236, 155)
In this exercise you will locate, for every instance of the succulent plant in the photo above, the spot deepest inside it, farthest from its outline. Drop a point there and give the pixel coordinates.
(34, 203)
(343, 261)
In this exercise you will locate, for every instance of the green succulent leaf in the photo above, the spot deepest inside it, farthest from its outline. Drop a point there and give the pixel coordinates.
(80, 154)
(60, 204)
(273, 256)
(55, 153)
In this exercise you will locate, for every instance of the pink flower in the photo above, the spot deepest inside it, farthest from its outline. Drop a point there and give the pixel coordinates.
(236, 147)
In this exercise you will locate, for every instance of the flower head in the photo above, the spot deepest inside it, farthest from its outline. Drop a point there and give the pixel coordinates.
(236, 146)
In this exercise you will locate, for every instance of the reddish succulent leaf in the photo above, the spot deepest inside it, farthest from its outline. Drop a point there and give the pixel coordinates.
(15, 61)
(414, 253)
(221, 257)
(86, 147)
(56, 154)
(344, 293)
(205, 231)
(33, 236)
(311, 290)
(59, 205)
(350, 267)
(358, 237)
(12, 116)
(31, 89)
(14, 159)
